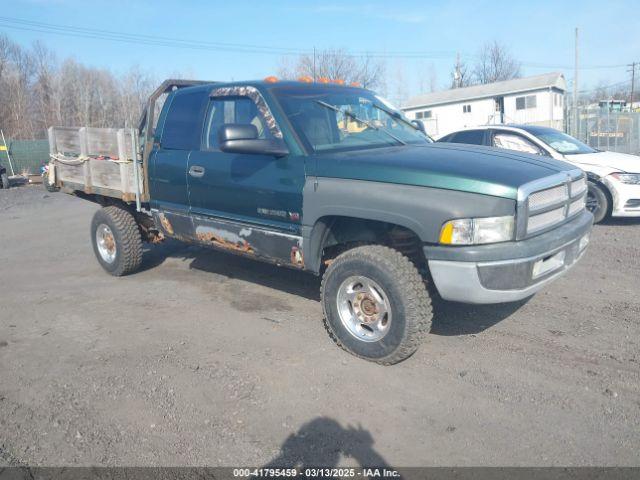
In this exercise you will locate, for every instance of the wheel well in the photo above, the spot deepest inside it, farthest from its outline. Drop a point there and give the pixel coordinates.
(148, 229)
(333, 234)
(598, 182)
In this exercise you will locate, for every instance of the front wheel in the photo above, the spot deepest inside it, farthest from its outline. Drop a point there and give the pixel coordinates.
(598, 202)
(116, 240)
(376, 305)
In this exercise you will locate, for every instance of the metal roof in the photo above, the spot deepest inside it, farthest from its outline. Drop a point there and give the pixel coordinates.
(537, 82)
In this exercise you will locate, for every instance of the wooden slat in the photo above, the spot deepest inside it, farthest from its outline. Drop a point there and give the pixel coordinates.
(51, 134)
(67, 140)
(102, 142)
(70, 173)
(105, 174)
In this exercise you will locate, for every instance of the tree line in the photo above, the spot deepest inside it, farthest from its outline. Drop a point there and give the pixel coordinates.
(37, 91)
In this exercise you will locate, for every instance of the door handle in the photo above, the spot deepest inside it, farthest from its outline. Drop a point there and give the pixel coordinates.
(196, 171)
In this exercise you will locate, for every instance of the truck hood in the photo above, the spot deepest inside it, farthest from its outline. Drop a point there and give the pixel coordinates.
(619, 162)
(467, 168)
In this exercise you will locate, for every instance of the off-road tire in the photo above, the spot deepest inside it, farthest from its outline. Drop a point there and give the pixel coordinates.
(4, 179)
(128, 240)
(407, 293)
(603, 210)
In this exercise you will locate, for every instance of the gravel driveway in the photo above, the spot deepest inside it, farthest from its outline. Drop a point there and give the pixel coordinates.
(208, 359)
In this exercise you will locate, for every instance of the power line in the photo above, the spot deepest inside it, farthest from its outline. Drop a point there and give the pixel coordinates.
(161, 41)
(605, 87)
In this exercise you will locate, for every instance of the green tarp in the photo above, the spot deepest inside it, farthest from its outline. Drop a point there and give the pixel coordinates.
(27, 156)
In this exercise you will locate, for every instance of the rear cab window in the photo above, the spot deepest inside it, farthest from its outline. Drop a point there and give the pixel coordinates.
(182, 128)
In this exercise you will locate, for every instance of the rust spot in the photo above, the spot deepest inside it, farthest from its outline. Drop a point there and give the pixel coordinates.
(296, 256)
(241, 246)
(166, 224)
(155, 237)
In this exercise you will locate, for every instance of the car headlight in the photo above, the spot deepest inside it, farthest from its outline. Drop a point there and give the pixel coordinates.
(474, 231)
(629, 178)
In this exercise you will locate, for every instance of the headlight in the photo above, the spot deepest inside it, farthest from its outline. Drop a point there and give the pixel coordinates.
(474, 231)
(629, 178)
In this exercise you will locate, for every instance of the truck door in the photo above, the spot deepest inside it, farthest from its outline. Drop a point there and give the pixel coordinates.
(251, 202)
(179, 132)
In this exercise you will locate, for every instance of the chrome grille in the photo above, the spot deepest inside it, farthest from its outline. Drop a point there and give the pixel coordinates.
(578, 186)
(544, 220)
(577, 206)
(546, 198)
(550, 201)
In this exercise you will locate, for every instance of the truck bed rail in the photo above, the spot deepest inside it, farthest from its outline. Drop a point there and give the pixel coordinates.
(102, 161)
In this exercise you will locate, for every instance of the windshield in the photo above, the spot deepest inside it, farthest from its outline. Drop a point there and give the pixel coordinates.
(563, 143)
(332, 118)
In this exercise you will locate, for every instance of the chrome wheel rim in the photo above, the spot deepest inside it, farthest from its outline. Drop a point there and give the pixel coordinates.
(364, 308)
(106, 243)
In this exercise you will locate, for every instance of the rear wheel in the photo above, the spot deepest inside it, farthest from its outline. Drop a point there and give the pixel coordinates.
(598, 202)
(116, 240)
(4, 179)
(376, 304)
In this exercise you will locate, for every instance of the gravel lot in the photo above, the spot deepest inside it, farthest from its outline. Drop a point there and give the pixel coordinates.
(208, 359)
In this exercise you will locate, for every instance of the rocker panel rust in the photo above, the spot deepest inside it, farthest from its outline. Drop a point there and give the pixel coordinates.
(256, 242)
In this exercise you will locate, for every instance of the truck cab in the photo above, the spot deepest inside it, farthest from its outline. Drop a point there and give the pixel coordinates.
(334, 180)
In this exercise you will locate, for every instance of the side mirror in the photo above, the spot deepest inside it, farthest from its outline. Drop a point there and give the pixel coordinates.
(419, 125)
(237, 138)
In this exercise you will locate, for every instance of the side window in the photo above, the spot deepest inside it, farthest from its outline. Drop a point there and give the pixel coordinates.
(241, 110)
(473, 137)
(525, 102)
(518, 143)
(183, 125)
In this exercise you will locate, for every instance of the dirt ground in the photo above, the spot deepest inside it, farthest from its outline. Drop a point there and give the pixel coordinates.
(208, 359)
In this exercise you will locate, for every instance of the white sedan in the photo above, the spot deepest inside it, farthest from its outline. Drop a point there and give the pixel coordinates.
(614, 178)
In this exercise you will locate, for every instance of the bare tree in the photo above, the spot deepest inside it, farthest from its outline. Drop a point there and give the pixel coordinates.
(44, 96)
(38, 91)
(335, 64)
(495, 63)
(135, 88)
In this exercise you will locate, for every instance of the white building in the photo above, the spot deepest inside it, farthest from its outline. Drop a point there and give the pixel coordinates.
(537, 100)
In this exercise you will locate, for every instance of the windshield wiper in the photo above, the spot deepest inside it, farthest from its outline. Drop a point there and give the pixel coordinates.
(397, 116)
(360, 120)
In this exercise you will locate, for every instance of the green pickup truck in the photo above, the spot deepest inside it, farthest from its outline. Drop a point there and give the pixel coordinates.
(333, 180)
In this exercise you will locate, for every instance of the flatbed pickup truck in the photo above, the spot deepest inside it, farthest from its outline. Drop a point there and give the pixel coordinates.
(333, 180)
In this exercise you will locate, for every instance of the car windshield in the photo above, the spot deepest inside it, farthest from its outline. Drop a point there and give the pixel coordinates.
(332, 118)
(561, 142)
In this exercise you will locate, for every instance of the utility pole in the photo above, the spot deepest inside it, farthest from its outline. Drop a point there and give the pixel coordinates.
(314, 63)
(576, 121)
(457, 74)
(633, 81)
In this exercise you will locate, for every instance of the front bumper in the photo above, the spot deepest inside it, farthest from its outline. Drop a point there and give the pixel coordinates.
(508, 272)
(626, 198)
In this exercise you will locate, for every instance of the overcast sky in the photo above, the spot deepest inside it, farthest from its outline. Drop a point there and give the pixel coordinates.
(540, 34)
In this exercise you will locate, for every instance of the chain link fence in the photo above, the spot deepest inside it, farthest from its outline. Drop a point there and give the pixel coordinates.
(603, 129)
(27, 156)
